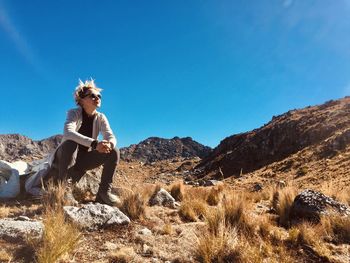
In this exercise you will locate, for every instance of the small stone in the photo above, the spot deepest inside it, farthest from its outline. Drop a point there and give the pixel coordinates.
(145, 231)
(147, 250)
(110, 246)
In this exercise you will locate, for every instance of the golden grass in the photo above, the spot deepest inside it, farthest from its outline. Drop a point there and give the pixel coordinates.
(54, 196)
(167, 229)
(218, 247)
(235, 214)
(193, 210)
(308, 234)
(59, 237)
(134, 206)
(122, 255)
(4, 211)
(177, 191)
(199, 193)
(215, 219)
(336, 228)
(282, 203)
(4, 256)
(214, 196)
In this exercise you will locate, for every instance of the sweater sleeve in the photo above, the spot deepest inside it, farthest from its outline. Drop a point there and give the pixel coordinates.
(107, 132)
(70, 132)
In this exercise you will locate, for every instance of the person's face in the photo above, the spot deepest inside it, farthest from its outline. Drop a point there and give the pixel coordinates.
(92, 99)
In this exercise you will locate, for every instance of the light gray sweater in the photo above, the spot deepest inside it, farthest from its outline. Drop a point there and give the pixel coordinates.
(71, 126)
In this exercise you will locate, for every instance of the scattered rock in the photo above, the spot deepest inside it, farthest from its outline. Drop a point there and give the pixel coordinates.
(310, 204)
(145, 231)
(163, 198)
(110, 246)
(96, 216)
(15, 229)
(147, 250)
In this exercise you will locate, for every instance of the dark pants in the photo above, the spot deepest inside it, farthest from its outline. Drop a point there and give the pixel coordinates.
(84, 161)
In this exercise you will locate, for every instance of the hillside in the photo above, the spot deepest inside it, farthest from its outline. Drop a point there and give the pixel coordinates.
(156, 149)
(18, 147)
(313, 136)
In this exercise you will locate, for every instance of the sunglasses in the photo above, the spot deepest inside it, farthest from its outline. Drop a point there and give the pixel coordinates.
(94, 96)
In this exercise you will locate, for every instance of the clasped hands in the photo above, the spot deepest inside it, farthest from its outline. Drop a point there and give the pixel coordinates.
(104, 147)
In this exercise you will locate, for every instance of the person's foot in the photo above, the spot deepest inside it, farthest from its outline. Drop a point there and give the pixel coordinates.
(107, 198)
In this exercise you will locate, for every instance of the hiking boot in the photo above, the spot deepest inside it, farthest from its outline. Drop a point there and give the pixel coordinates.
(107, 198)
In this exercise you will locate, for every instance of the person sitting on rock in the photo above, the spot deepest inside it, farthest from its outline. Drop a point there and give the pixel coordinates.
(80, 150)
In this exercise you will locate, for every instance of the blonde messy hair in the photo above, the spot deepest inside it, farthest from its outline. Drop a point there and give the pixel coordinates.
(83, 88)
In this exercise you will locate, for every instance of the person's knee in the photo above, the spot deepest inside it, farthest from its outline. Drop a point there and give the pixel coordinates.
(66, 151)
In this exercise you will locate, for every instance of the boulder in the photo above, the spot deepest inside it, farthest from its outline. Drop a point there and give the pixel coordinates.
(96, 216)
(310, 204)
(15, 229)
(163, 198)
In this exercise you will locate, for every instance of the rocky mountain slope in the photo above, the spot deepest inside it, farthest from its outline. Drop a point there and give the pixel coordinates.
(322, 132)
(18, 147)
(157, 149)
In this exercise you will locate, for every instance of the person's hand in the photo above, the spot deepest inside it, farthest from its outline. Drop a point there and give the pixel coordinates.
(104, 147)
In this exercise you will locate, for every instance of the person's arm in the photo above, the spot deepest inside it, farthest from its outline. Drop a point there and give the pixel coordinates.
(107, 132)
(70, 132)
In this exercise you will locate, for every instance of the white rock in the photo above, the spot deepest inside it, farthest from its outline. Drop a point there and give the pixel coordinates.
(95, 216)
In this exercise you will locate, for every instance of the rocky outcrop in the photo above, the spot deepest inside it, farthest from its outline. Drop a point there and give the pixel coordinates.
(310, 204)
(15, 147)
(327, 124)
(156, 149)
(96, 216)
(19, 228)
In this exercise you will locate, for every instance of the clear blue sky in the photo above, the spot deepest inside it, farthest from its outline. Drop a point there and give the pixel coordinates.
(205, 69)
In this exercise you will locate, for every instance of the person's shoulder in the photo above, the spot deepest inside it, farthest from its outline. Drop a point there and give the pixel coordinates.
(101, 115)
(74, 110)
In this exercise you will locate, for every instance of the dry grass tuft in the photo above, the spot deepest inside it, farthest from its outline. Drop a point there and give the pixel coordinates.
(167, 229)
(4, 211)
(235, 214)
(307, 234)
(193, 210)
(122, 255)
(336, 228)
(200, 193)
(59, 238)
(282, 203)
(54, 196)
(214, 196)
(4, 256)
(219, 247)
(134, 205)
(177, 191)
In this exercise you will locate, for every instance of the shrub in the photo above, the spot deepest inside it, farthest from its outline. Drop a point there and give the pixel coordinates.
(235, 216)
(192, 210)
(219, 247)
(214, 196)
(122, 255)
(337, 228)
(282, 203)
(177, 191)
(134, 206)
(59, 237)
